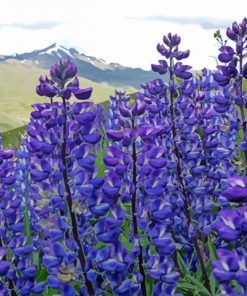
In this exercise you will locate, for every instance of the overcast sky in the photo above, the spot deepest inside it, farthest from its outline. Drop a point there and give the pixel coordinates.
(124, 31)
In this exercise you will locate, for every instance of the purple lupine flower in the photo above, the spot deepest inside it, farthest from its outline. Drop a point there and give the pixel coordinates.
(232, 226)
(219, 135)
(237, 192)
(5, 265)
(61, 140)
(162, 270)
(231, 266)
(8, 207)
(120, 98)
(231, 75)
(61, 83)
(201, 149)
(127, 158)
(170, 52)
(21, 272)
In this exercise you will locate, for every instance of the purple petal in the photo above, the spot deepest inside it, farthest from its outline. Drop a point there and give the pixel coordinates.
(82, 94)
(86, 117)
(4, 267)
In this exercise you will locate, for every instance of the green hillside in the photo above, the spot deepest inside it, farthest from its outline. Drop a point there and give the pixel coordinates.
(12, 138)
(17, 92)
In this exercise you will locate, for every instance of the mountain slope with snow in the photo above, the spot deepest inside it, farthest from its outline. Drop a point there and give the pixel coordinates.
(89, 67)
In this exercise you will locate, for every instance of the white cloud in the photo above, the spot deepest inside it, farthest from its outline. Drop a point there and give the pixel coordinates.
(115, 30)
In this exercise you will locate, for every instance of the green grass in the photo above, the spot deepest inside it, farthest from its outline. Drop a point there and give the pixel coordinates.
(7, 122)
(12, 139)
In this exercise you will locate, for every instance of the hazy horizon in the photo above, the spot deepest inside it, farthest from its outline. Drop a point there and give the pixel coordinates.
(124, 32)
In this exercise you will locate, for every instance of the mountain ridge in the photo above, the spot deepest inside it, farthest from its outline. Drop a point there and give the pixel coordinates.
(89, 67)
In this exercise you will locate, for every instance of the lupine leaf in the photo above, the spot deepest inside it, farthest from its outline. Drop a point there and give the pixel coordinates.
(42, 275)
(213, 256)
(182, 265)
(99, 160)
(186, 288)
(190, 280)
(50, 292)
(213, 284)
(76, 286)
(125, 241)
(36, 260)
(149, 284)
(198, 273)
(212, 250)
(236, 286)
(198, 284)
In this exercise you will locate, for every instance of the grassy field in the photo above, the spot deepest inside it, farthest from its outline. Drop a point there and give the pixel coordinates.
(17, 93)
(13, 138)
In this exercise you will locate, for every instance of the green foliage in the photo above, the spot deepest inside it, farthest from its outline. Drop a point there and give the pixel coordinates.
(245, 84)
(212, 249)
(190, 283)
(12, 139)
(50, 292)
(218, 37)
(149, 284)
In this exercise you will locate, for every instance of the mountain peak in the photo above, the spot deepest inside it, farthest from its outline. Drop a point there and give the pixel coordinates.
(90, 67)
(57, 49)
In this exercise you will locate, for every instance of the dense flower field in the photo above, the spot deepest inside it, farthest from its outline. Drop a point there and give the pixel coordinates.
(169, 214)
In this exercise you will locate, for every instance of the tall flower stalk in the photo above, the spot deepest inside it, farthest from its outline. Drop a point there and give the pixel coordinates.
(230, 226)
(233, 72)
(133, 154)
(17, 248)
(177, 69)
(188, 106)
(61, 143)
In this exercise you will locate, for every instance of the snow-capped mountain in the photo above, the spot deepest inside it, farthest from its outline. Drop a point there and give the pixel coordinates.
(88, 67)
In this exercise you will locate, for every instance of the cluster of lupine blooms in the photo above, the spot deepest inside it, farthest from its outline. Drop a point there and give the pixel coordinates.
(167, 218)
